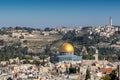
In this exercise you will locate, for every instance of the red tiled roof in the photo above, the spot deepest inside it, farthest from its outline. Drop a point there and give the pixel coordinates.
(105, 70)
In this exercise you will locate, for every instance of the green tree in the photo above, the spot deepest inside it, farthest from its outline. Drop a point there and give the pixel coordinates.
(106, 77)
(87, 75)
(43, 57)
(88, 56)
(47, 29)
(91, 51)
(2, 42)
(36, 62)
(113, 75)
(26, 61)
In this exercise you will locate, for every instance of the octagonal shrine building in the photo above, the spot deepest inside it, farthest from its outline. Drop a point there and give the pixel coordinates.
(67, 54)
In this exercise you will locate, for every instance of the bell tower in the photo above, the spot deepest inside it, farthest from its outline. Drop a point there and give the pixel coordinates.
(110, 21)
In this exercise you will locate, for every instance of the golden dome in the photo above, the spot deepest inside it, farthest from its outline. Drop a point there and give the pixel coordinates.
(67, 47)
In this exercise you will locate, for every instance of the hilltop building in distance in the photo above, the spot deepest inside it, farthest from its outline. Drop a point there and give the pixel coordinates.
(110, 21)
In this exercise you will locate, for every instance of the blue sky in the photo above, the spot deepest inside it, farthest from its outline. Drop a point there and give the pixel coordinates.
(56, 13)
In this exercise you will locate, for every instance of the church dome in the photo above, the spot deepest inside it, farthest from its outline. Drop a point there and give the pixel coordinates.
(67, 48)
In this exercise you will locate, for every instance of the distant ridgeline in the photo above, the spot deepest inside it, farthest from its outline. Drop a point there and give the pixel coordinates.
(6, 30)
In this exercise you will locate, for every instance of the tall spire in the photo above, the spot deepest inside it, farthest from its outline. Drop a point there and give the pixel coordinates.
(110, 21)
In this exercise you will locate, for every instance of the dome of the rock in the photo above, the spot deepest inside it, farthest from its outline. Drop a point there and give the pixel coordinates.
(67, 48)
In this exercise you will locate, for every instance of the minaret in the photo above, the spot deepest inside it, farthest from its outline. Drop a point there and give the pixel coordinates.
(96, 56)
(110, 21)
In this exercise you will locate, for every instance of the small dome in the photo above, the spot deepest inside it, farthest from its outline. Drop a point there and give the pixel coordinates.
(67, 47)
